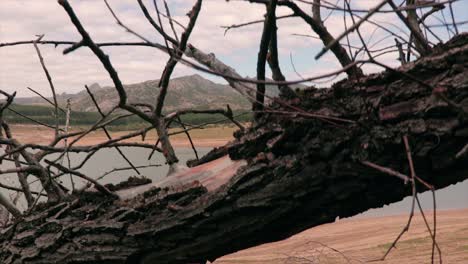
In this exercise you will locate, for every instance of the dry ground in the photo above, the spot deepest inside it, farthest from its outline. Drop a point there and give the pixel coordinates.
(362, 240)
(207, 137)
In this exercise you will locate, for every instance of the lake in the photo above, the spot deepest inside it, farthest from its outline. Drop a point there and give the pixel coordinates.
(451, 197)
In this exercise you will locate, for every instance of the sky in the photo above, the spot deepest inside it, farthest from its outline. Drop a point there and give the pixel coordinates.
(23, 20)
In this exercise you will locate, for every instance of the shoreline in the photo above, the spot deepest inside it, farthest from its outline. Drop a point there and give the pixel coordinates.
(207, 137)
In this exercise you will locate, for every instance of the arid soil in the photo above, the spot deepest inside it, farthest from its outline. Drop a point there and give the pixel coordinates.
(363, 240)
(207, 137)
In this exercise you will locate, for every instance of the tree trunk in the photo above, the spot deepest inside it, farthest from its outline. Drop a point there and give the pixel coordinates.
(298, 172)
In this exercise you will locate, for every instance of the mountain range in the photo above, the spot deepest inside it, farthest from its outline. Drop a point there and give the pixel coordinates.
(187, 92)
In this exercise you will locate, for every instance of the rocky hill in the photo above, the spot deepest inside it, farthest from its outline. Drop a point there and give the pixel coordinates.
(192, 91)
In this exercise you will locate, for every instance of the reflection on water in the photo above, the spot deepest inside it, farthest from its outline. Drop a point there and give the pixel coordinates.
(452, 197)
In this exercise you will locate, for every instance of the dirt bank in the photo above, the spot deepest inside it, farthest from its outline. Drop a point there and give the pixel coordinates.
(361, 240)
(208, 137)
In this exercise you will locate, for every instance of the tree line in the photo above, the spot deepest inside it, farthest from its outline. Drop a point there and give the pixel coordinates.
(32, 114)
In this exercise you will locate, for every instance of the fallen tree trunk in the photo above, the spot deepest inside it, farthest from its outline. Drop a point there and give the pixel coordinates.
(298, 172)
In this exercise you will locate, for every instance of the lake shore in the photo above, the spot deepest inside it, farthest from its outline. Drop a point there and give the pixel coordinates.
(208, 137)
(365, 239)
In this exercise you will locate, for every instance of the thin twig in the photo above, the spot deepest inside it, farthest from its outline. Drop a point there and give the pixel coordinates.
(352, 28)
(414, 195)
(388, 171)
(106, 132)
(51, 84)
(98, 186)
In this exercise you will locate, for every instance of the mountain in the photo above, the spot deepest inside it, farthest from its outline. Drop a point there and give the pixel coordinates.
(61, 98)
(187, 92)
(184, 92)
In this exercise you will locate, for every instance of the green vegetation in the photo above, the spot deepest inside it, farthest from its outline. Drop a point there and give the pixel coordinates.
(45, 114)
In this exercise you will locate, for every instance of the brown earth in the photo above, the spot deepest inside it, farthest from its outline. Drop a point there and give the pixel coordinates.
(363, 240)
(207, 137)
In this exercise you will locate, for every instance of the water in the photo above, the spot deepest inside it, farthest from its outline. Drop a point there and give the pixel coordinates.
(106, 160)
(451, 197)
(102, 162)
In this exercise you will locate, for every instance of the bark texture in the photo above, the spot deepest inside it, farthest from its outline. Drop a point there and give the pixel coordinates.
(300, 172)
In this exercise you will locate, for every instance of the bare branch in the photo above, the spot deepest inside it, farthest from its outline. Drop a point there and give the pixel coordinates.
(327, 39)
(262, 54)
(93, 99)
(104, 59)
(168, 150)
(334, 42)
(171, 22)
(5, 202)
(98, 186)
(51, 84)
(45, 98)
(233, 26)
(421, 43)
(387, 171)
(273, 62)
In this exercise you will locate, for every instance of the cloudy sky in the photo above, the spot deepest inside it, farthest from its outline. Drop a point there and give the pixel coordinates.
(22, 20)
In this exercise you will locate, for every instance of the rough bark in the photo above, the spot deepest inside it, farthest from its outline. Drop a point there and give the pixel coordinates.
(298, 173)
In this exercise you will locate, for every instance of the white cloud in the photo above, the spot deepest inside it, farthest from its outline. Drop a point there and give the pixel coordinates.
(22, 20)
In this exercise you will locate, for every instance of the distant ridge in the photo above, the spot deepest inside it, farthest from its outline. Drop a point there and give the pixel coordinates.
(185, 92)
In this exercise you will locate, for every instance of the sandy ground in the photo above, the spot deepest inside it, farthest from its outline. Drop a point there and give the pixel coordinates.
(362, 240)
(207, 137)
